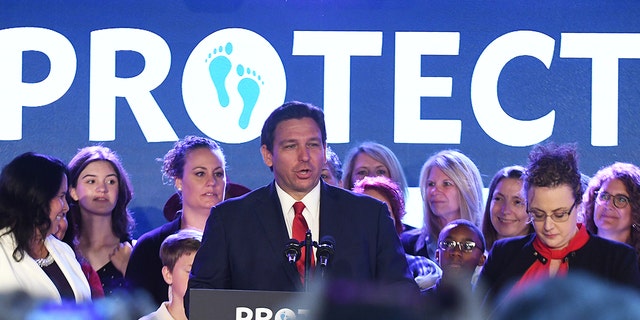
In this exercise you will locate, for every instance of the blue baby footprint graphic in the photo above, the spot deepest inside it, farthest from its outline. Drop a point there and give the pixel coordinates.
(249, 90)
(219, 68)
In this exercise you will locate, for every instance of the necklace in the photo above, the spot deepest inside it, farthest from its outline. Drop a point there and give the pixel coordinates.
(46, 261)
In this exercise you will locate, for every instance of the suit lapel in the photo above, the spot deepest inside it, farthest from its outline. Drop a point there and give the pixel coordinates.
(269, 215)
(331, 214)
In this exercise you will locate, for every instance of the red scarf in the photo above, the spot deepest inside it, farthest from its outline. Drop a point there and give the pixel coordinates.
(540, 270)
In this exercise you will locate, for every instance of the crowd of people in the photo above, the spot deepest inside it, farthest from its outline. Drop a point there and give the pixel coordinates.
(66, 230)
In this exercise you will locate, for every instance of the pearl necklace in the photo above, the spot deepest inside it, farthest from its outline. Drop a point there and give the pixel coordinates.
(46, 261)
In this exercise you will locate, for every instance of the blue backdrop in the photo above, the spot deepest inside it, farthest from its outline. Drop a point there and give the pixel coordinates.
(490, 78)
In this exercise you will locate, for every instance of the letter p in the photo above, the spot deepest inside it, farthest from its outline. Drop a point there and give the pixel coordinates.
(14, 93)
(244, 313)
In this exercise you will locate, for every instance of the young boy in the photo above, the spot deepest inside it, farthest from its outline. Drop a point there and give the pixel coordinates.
(176, 252)
(460, 250)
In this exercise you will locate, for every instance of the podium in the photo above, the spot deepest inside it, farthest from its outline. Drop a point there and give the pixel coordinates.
(248, 304)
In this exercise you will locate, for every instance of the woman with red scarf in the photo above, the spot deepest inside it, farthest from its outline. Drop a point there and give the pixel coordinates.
(560, 244)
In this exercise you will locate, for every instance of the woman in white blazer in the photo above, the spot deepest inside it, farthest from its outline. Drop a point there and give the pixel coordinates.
(33, 190)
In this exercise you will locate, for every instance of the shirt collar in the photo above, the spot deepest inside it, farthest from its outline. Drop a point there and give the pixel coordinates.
(311, 200)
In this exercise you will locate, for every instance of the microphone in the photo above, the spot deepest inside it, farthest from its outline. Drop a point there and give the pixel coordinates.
(292, 251)
(325, 251)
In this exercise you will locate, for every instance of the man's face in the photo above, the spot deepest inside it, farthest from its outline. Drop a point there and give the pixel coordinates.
(298, 156)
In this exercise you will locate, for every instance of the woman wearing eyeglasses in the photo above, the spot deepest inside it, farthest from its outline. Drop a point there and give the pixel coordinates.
(560, 244)
(612, 204)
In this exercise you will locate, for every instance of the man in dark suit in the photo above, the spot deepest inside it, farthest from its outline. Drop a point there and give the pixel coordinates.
(244, 239)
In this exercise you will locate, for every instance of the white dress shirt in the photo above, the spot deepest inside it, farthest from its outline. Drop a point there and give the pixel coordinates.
(311, 211)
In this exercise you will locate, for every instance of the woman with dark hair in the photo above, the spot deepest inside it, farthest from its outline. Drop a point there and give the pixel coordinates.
(33, 189)
(560, 245)
(505, 213)
(332, 170)
(196, 167)
(612, 204)
(100, 224)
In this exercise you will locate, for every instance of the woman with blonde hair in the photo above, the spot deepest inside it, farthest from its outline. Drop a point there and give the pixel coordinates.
(451, 188)
(371, 159)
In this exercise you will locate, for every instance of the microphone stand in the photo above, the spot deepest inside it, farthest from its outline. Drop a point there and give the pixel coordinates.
(326, 249)
(308, 249)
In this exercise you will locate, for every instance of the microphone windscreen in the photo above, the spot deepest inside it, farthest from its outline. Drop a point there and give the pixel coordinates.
(328, 240)
(292, 250)
(292, 242)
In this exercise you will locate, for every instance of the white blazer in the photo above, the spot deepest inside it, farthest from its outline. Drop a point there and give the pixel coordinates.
(27, 276)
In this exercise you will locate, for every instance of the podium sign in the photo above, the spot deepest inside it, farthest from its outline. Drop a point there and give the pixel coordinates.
(248, 304)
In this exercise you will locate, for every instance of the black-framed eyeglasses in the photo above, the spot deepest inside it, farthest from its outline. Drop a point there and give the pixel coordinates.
(464, 246)
(540, 216)
(619, 201)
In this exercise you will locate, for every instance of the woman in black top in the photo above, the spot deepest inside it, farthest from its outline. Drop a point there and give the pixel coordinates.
(560, 245)
(100, 224)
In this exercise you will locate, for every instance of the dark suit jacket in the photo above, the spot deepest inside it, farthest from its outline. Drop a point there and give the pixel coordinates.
(144, 270)
(244, 240)
(509, 259)
(409, 239)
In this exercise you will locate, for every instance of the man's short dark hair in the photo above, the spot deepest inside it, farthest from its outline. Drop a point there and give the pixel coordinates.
(291, 110)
